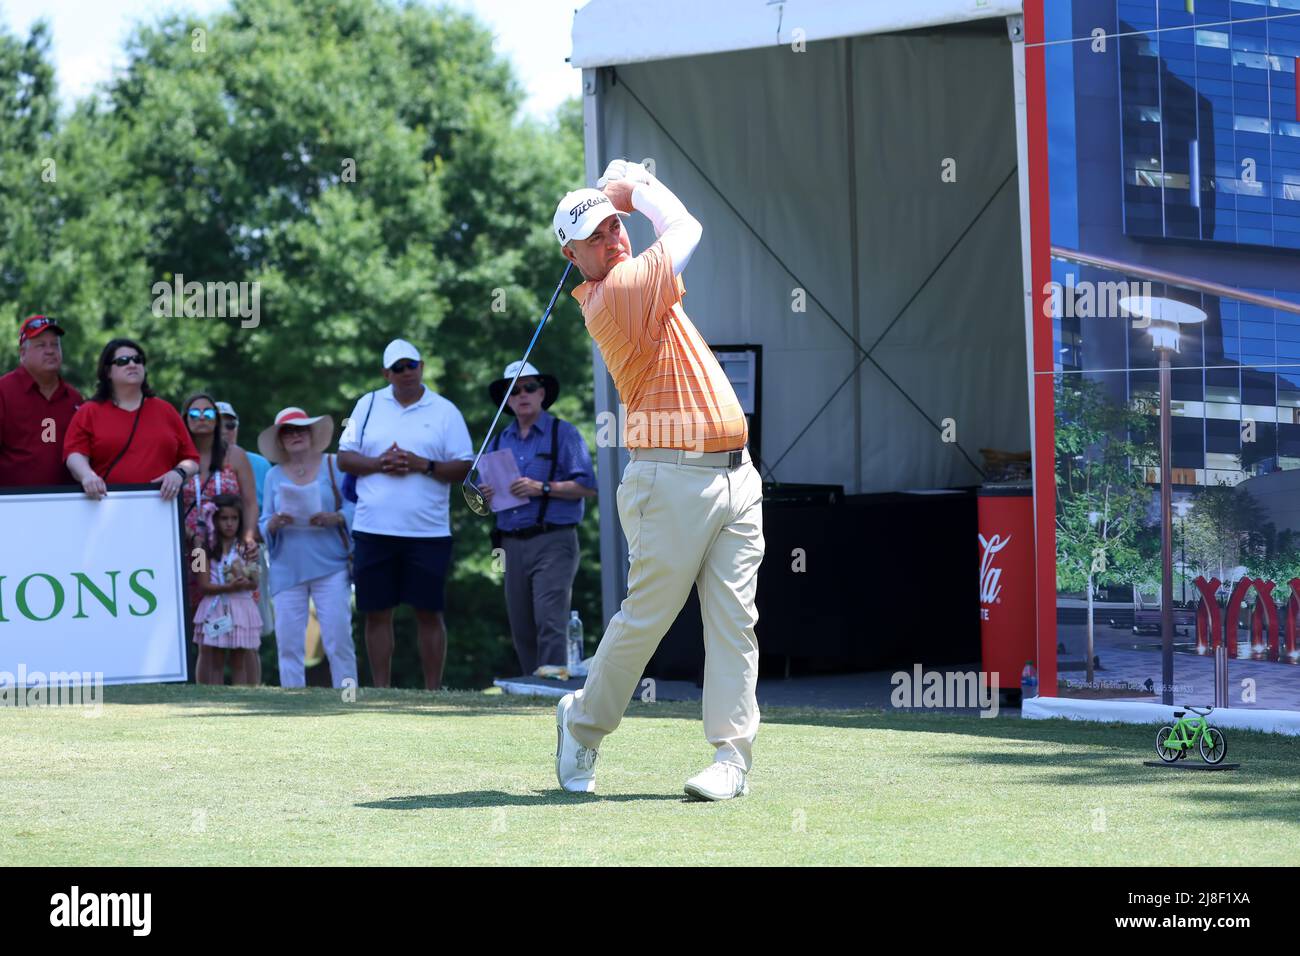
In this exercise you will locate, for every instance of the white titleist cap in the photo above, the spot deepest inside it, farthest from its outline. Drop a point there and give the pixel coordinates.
(580, 212)
(399, 349)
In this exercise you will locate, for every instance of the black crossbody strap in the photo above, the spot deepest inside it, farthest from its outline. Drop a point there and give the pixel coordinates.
(369, 408)
(555, 461)
(134, 422)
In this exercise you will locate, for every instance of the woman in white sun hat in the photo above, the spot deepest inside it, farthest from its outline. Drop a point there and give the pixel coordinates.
(306, 523)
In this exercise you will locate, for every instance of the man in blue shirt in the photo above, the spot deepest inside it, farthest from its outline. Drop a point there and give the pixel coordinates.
(540, 536)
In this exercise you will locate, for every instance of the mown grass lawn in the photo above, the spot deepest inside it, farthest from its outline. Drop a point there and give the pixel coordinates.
(199, 776)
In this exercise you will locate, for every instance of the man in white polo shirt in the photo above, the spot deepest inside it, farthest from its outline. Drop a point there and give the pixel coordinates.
(407, 446)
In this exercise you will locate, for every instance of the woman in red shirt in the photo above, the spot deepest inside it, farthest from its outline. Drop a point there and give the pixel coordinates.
(125, 434)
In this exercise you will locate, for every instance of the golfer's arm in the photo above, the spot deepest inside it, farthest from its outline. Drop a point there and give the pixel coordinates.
(676, 228)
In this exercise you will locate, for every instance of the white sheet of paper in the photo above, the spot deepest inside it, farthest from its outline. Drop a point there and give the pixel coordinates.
(499, 469)
(300, 502)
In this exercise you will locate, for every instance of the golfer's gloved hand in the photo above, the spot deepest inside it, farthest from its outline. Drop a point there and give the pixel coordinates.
(622, 169)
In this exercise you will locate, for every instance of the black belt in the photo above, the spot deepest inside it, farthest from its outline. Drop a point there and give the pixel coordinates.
(535, 530)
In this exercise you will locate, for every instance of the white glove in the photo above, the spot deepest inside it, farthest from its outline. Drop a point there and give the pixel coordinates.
(622, 169)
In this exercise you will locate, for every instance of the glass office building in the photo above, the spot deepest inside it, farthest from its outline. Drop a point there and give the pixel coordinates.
(1208, 160)
(1211, 137)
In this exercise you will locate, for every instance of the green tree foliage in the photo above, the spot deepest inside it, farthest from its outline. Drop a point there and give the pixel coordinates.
(365, 163)
(1226, 528)
(28, 118)
(1101, 500)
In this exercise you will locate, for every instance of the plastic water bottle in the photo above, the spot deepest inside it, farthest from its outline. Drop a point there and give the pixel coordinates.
(575, 643)
(1028, 681)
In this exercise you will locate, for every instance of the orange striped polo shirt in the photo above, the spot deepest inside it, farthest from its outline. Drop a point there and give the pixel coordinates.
(676, 394)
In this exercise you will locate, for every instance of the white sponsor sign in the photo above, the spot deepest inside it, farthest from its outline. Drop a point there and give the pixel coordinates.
(92, 586)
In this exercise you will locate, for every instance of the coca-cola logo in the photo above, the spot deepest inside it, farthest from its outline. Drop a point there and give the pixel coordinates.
(991, 577)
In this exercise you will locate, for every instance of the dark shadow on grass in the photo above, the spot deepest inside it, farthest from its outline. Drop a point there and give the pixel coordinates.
(496, 798)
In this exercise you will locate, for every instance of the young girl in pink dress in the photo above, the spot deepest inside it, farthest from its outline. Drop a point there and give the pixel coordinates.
(227, 618)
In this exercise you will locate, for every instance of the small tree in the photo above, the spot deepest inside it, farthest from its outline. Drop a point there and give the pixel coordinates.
(1226, 517)
(1101, 499)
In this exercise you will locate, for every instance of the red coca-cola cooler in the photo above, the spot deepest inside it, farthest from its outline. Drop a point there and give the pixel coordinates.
(1006, 549)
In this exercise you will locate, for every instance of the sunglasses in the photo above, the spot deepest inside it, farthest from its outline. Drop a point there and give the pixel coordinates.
(398, 368)
(529, 388)
(122, 361)
(208, 413)
(288, 430)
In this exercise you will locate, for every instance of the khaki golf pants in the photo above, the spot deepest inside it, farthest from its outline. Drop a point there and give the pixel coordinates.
(685, 525)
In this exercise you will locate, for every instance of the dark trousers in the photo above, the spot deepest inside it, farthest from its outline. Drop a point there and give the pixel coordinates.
(539, 587)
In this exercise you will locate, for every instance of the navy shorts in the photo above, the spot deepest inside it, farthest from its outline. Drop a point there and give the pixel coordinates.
(390, 570)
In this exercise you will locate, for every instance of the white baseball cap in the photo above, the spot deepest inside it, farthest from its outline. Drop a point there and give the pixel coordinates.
(580, 212)
(399, 349)
(225, 409)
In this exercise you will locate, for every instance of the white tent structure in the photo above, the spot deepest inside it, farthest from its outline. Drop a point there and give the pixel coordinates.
(858, 166)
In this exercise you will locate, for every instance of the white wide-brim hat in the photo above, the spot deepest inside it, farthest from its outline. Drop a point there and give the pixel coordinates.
(322, 433)
(550, 384)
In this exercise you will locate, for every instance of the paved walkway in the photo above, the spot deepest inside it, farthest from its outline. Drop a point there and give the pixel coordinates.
(1131, 660)
(1128, 661)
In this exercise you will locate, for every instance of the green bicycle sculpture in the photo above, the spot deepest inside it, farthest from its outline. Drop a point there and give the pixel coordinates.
(1174, 743)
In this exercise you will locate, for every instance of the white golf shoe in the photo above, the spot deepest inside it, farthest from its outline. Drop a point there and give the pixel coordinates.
(721, 781)
(575, 765)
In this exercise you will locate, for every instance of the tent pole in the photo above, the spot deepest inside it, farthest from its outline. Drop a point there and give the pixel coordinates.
(850, 120)
(613, 548)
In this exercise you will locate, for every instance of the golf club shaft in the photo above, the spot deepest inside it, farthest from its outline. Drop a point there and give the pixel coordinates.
(527, 352)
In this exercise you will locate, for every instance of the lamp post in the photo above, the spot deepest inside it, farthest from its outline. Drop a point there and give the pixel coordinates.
(1161, 318)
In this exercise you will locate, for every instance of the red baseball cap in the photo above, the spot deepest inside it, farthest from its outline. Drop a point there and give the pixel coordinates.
(34, 325)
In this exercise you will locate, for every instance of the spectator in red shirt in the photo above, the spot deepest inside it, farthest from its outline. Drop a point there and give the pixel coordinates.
(36, 406)
(125, 433)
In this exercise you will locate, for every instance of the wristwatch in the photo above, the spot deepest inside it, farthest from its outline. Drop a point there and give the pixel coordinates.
(429, 471)
(185, 475)
(546, 488)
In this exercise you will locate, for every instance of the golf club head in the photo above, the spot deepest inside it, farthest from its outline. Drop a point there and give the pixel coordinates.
(474, 498)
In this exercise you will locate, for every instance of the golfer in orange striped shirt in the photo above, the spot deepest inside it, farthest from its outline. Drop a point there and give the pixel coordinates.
(690, 501)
